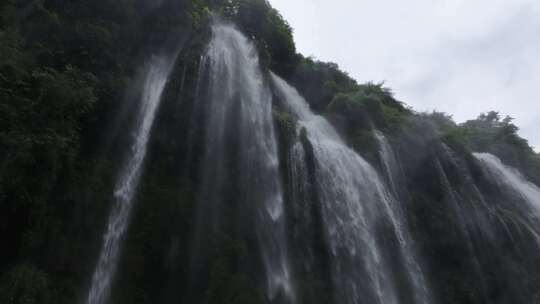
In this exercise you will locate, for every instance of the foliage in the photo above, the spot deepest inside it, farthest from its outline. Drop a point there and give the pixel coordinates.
(489, 129)
(285, 125)
(491, 133)
(319, 82)
(64, 66)
(228, 285)
(271, 32)
(367, 107)
(64, 69)
(25, 285)
(41, 111)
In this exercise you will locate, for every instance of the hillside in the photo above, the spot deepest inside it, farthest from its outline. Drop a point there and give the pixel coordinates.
(240, 171)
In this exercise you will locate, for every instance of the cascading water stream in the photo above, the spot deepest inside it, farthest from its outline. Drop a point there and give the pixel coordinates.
(408, 253)
(128, 180)
(528, 214)
(461, 218)
(239, 130)
(388, 161)
(354, 200)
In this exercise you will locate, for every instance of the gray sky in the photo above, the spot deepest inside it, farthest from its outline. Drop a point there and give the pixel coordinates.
(462, 57)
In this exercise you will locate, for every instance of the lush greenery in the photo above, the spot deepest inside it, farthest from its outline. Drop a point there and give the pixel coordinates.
(68, 73)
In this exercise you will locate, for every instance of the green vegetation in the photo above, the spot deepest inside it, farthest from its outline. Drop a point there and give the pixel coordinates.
(68, 70)
(494, 134)
(319, 82)
(25, 285)
(272, 33)
(64, 68)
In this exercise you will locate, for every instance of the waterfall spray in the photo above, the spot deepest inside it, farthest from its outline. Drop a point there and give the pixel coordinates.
(128, 180)
(238, 108)
(353, 199)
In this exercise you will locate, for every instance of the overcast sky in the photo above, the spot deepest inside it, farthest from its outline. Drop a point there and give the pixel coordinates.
(462, 57)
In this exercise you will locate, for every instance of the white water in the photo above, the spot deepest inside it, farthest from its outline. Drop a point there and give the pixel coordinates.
(354, 201)
(408, 253)
(512, 178)
(128, 181)
(526, 215)
(239, 109)
(389, 162)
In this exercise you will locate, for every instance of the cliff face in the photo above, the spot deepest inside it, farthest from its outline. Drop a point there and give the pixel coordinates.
(343, 195)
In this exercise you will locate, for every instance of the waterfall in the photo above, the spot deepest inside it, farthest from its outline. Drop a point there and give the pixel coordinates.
(241, 146)
(128, 180)
(354, 203)
(511, 178)
(393, 173)
(389, 162)
(461, 217)
(518, 187)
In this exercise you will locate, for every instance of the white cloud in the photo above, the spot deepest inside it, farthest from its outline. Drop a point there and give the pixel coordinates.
(459, 56)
